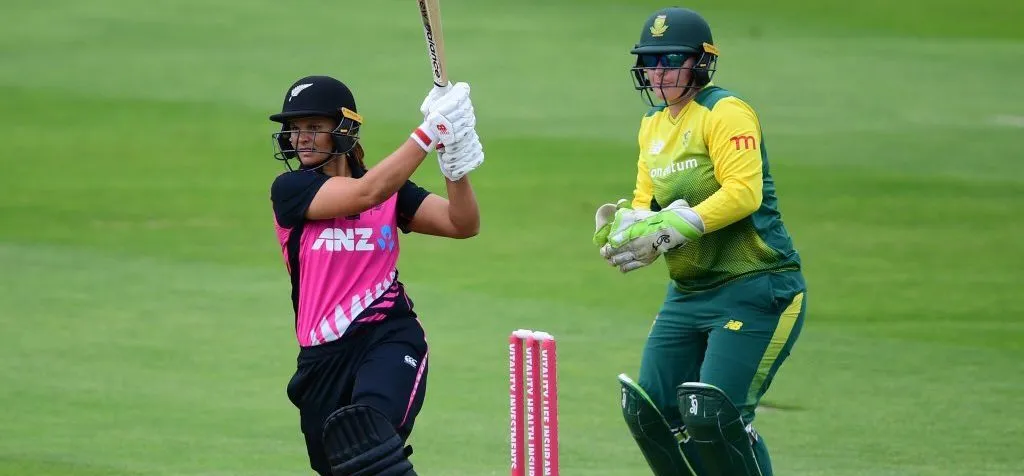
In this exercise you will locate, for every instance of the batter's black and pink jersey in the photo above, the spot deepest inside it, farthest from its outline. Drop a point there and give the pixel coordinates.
(343, 270)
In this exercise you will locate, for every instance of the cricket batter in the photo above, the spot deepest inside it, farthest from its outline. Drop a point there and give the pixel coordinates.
(706, 201)
(361, 374)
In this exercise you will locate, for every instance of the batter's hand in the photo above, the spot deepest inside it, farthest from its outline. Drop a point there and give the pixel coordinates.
(435, 93)
(449, 119)
(461, 157)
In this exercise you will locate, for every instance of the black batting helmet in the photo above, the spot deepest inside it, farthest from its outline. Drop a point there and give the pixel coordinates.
(321, 96)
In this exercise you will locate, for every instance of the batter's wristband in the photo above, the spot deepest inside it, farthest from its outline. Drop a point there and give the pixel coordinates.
(425, 137)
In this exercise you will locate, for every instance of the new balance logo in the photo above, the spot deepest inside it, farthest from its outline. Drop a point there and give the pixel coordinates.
(656, 147)
(344, 239)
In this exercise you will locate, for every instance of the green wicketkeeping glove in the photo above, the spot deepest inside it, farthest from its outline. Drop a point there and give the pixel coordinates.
(615, 217)
(641, 243)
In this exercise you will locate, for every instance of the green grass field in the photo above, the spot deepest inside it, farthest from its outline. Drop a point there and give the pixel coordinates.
(145, 314)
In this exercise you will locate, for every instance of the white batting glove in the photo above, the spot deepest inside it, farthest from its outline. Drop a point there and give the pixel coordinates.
(461, 157)
(435, 93)
(449, 119)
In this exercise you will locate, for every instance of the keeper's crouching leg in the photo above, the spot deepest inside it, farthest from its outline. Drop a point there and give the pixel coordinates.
(717, 430)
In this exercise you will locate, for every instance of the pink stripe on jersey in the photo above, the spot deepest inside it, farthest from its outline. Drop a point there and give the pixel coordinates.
(347, 266)
(374, 318)
(419, 376)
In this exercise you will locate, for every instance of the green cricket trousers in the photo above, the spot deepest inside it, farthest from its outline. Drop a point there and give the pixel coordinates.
(734, 337)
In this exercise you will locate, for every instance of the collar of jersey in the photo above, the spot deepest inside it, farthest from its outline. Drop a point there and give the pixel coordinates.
(682, 112)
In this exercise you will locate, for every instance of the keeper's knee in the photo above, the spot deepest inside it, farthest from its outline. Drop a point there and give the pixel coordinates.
(716, 428)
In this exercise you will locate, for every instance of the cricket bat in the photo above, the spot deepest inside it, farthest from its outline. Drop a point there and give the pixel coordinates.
(430, 11)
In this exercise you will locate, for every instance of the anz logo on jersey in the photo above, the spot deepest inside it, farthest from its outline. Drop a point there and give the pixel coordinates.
(344, 239)
(354, 239)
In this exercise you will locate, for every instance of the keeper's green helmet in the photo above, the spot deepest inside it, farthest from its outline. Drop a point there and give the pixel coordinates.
(669, 37)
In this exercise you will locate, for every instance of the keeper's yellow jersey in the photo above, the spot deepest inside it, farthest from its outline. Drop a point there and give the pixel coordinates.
(712, 155)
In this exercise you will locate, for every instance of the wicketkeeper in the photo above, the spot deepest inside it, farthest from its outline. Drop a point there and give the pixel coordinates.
(706, 201)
